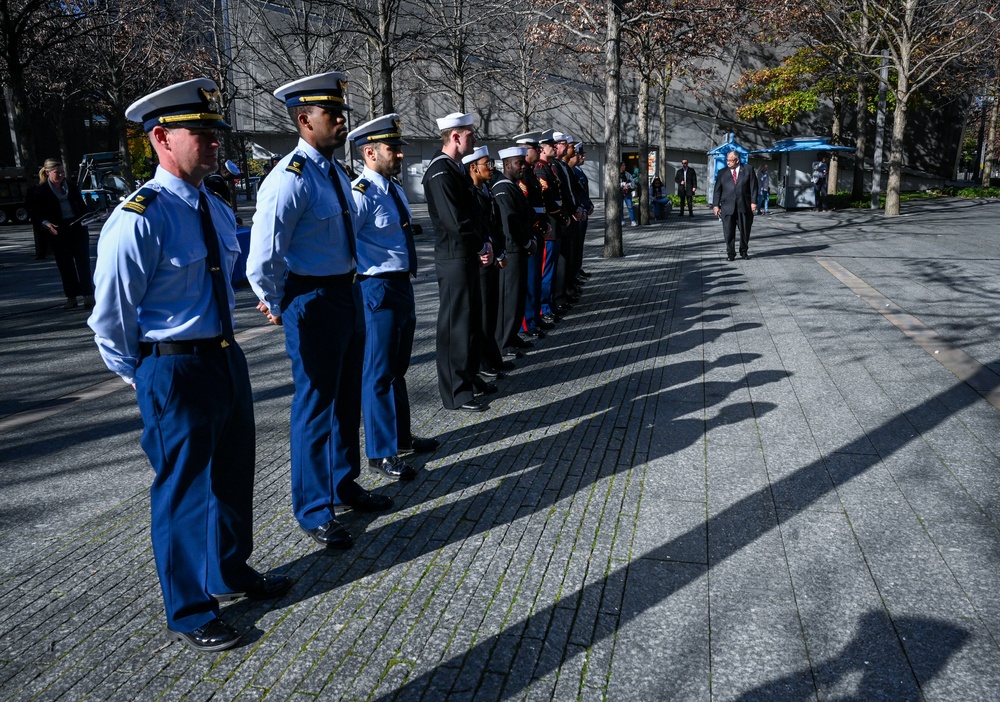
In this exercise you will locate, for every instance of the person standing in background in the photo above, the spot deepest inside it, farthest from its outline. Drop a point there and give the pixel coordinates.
(57, 208)
(687, 187)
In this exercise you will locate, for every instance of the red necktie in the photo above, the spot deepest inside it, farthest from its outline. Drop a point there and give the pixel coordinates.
(734, 177)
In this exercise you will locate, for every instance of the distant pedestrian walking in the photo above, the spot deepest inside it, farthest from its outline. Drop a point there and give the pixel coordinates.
(820, 174)
(765, 189)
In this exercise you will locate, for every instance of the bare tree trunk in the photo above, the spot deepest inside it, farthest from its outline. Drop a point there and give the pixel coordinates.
(896, 147)
(23, 125)
(991, 137)
(643, 124)
(121, 127)
(662, 163)
(612, 137)
(385, 57)
(860, 140)
(836, 129)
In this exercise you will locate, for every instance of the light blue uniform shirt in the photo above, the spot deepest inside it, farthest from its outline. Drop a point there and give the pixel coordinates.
(298, 226)
(152, 282)
(381, 240)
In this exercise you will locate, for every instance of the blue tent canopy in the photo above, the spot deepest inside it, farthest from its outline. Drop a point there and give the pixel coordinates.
(803, 143)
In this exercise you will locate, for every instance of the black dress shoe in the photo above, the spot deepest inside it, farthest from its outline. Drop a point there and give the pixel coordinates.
(393, 467)
(214, 636)
(536, 333)
(730, 258)
(332, 535)
(512, 352)
(473, 406)
(365, 501)
(584, 273)
(744, 256)
(520, 343)
(547, 321)
(267, 587)
(491, 373)
(484, 388)
(418, 445)
(508, 366)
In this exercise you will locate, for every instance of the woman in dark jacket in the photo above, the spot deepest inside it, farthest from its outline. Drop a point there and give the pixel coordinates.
(56, 207)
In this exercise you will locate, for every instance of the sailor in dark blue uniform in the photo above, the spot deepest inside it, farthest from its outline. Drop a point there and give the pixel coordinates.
(163, 322)
(387, 259)
(459, 252)
(516, 221)
(302, 266)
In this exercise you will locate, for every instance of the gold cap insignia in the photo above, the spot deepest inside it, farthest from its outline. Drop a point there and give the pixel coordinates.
(212, 100)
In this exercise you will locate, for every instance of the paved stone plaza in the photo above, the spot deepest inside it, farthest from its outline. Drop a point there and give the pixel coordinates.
(773, 479)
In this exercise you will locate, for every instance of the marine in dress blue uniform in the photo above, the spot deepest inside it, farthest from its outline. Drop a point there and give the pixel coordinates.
(302, 267)
(552, 196)
(163, 322)
(387, 259)
(532, 325)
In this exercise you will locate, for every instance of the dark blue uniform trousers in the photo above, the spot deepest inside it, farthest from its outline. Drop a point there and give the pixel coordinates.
(533, 292)
(550, 260)
(198, 431)
(390, 321)
(325, 339)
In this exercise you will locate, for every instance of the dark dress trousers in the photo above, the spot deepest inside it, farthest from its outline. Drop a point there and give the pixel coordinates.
(452, 207)
(516, 217)
(733, 200)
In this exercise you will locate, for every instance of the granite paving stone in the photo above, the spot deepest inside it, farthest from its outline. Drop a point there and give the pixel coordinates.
(711, 481)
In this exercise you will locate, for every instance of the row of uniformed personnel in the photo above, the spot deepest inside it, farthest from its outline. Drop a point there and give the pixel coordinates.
(328, 262)
(508, 250)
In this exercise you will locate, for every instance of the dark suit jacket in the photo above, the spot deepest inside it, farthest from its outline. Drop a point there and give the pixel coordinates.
(44, 205)
(736, 197)
(692, 181)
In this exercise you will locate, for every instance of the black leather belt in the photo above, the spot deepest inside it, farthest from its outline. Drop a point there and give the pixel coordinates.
(175, 348)
(387, 275)
(319, 281)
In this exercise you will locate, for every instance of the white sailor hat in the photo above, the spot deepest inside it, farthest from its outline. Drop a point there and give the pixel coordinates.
(559, 136)
(528, 138)
(512, 152)
(387, 129)
(455, 119)
(478, 153)
(579, 147)
(547, 137)
(321, 90)
(196, 104)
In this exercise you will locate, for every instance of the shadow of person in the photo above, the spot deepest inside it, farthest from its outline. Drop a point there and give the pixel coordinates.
(869, 668)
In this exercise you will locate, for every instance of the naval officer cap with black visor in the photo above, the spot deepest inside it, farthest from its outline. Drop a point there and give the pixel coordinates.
(387, 129)
(325, 90)
(193, 104)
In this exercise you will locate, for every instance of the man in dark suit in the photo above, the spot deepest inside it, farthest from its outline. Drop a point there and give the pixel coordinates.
(736, 193)
(687, 185)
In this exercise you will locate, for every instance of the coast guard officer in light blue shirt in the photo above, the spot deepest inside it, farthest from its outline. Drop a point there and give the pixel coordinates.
(387, 258)
(302, 266)
(163, 322)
